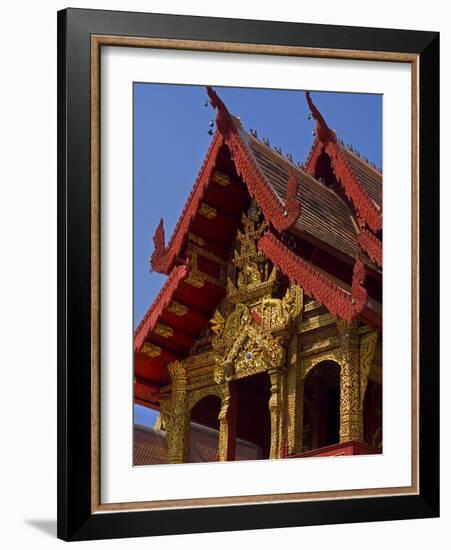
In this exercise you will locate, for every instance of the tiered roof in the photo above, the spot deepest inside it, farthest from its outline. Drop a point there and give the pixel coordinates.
(324, 233)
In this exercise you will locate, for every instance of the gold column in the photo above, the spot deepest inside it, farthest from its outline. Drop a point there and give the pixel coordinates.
(368, 344)
(274, 410)
(165, 412)
(351, 416)
(227, 423)
(282, 420)
(295, 400)
(178, 428)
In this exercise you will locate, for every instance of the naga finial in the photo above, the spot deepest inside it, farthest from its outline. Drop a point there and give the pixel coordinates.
(224, 121)
(323, 132)
(159, 246)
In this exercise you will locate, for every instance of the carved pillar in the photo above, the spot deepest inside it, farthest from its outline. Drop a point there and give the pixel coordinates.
(275, 411)
(295, 399)
(351, 417)
(227, 423)
(165, 412)
(282, 420)
(367, 348)
(178, 428)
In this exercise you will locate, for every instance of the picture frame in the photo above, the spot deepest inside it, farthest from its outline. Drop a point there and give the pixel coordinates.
(81, 35)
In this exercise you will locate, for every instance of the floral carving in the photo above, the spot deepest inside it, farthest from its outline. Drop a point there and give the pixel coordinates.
(178, 309)
(243, 348)
(178, 425)
(151, 350)
(351, 417)
(368, 343)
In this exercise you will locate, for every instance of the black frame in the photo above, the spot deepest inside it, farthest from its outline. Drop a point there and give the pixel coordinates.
(75, 520)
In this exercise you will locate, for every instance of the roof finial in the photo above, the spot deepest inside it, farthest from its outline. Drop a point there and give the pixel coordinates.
(224, 121)
(358, 291)
(323, 132)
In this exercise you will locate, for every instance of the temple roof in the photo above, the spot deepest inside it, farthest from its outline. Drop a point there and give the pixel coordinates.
(359, 182)
(368, 175)
(324, 215)
(330, 209)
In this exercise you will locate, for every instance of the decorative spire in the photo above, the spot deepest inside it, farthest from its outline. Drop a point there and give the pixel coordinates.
(358, 291)
(159, 246)
(224, 121)
(323, 132)
(292, 205)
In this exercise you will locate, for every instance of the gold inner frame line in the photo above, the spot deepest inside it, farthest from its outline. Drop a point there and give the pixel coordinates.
(97, 41)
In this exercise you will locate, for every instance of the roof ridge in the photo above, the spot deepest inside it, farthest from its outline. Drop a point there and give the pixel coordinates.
(362, 161)
(300, 170)
(271, 149)
(341, 165)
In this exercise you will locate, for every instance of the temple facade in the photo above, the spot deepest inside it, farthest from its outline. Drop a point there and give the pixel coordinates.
(265, 341)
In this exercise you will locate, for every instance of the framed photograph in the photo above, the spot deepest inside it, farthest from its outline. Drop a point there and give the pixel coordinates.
(248, 274)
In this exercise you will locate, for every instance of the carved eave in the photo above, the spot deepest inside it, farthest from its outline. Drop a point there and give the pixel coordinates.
(345, 304)
(196, 254)
(164, 257)
(276, 213)
(371, 245)
(161, 302)
(326, 141)
(281, 215)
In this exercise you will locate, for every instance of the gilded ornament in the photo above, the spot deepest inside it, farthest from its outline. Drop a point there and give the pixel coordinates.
(275, 412)
(178, 428)
(368, 343)
(196, 239)
(279, 313)
(351, 414)
(313, 304)
(318, 321)
(244, 348)
(308, 363)
(196, 277)
(151, 350)
(207, 211)
(320, 346)
(178, 309)
(217, 323)
(221, 178)
(163, 330)
(197, 394)
(206, 254)
(295, 399)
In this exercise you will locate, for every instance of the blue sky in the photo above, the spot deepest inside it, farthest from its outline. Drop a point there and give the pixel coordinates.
(171, 139)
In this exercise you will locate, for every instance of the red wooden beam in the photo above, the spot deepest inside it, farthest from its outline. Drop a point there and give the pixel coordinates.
(316, 284)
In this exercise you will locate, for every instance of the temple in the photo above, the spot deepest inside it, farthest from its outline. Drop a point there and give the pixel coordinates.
(265, 340)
